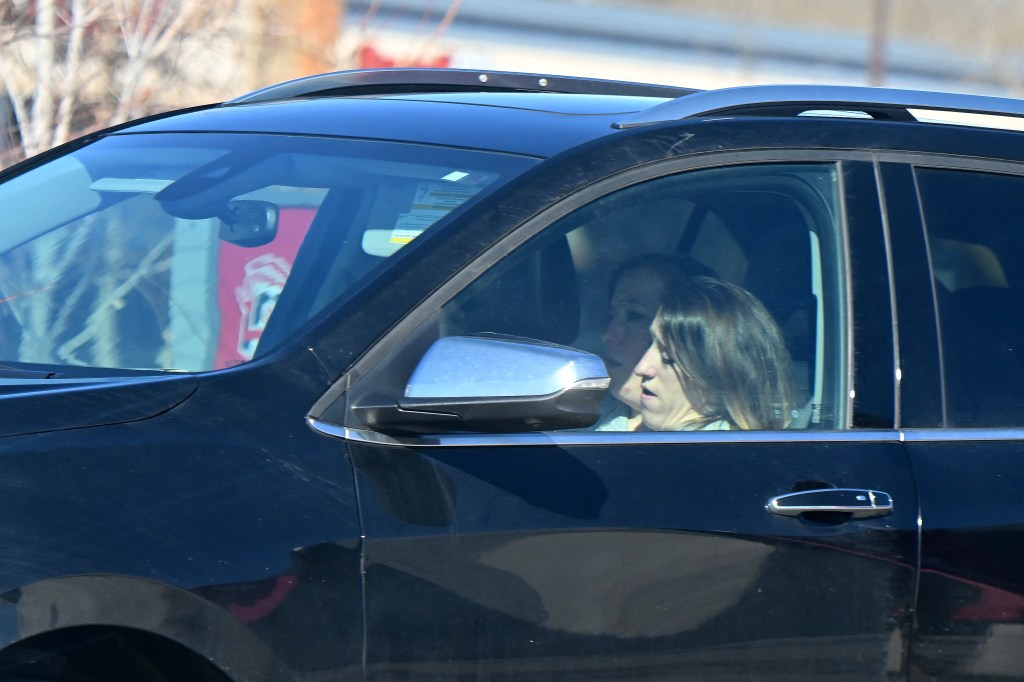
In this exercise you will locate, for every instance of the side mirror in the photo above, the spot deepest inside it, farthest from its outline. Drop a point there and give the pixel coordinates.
(493, 384)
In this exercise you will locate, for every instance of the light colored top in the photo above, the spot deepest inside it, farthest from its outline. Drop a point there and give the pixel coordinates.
(616, 416)
(720, 425)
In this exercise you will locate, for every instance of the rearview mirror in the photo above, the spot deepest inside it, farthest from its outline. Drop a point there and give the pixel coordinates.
(494, 384)
(249, 223)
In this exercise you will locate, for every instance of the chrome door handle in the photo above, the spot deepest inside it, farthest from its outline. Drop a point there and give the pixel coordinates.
(860, 504)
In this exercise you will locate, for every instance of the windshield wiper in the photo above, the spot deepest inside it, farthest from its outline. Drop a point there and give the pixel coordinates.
(18, 373)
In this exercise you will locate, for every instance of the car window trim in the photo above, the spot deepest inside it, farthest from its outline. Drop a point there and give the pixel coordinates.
(950, 162)
(591, 438)
(961, 434)
(912, 392)
(595, 438)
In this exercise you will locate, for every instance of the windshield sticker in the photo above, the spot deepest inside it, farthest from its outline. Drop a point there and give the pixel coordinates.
(433, 201)
(455, 176)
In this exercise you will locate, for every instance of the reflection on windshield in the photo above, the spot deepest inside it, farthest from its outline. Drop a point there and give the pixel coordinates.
(173, 252)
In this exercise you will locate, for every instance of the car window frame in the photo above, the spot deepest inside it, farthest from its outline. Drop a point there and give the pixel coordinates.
(919, 304)
(330, 416)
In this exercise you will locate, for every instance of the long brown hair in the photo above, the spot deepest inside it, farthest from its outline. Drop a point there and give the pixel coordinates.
(730, 354)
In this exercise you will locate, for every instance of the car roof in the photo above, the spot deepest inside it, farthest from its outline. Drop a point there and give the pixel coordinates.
(538, 124)
(540, 116)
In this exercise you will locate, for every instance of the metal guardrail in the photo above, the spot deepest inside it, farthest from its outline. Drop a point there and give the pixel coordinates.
(689, 38)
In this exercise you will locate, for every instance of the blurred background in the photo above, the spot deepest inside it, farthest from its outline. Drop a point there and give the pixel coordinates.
(68, 67)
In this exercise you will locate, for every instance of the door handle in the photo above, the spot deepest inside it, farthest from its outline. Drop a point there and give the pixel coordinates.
(860, 504)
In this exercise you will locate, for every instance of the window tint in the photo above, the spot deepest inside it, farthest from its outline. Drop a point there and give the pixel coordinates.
(975, 227)
(197, 252)
(763, 239)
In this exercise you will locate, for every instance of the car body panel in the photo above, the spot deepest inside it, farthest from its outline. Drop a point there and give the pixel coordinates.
(512, 129)
(92, 404)
(625, 562)
(971, 600)
(239, 533)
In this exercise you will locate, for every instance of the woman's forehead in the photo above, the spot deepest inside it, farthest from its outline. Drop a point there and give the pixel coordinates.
(638, 286)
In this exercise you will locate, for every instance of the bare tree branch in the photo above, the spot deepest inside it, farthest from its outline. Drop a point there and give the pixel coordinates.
(147, 267)
(82, 17)
(66, 72)
(41, 131)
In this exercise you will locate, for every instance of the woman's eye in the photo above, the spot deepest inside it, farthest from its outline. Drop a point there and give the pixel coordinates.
(667, 360)
(636, 317)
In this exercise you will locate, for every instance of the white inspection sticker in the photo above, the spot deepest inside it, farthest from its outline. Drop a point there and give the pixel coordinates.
(432, 201)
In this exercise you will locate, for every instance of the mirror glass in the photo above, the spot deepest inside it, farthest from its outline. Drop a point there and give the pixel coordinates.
(249, 223)
(483, 365)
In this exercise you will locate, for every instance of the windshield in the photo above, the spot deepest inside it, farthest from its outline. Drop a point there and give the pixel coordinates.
(170, 252)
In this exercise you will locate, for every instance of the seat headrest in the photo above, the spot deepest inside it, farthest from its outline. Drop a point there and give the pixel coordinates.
(535, 296)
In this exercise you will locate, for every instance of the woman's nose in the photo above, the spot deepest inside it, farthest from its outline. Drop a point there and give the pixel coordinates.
(612, 334)
(643, 368)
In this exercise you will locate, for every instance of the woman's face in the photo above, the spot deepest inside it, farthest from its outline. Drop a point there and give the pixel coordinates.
(628, 332)
(664, 405)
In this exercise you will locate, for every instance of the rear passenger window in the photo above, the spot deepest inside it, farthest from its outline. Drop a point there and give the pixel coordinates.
(761, 239)
(975, 227)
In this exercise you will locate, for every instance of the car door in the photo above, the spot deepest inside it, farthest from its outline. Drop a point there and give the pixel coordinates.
(648, 555)
(960, 285)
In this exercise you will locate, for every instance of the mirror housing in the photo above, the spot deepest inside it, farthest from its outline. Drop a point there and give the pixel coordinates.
(493, 384)
(249, 223)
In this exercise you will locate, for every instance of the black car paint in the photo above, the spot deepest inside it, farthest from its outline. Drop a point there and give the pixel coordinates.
(660, 554)
(413, 120)
(234, 529)
(245, 501)
(31, 410)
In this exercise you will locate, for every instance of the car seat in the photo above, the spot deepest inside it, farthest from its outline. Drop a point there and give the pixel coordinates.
(533, 296)
(983, 356)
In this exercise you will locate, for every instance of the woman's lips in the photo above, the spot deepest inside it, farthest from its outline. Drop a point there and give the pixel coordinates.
(646, 393)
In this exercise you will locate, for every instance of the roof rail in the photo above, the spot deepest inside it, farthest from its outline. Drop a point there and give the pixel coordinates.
(770, 100)
(395, 81)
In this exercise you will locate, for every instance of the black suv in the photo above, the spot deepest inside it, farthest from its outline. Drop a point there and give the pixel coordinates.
(309, 386)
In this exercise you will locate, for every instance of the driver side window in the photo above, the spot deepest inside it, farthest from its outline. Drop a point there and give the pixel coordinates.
(742, 263)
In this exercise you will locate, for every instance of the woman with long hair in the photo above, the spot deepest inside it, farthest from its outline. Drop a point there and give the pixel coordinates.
(718, 361)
